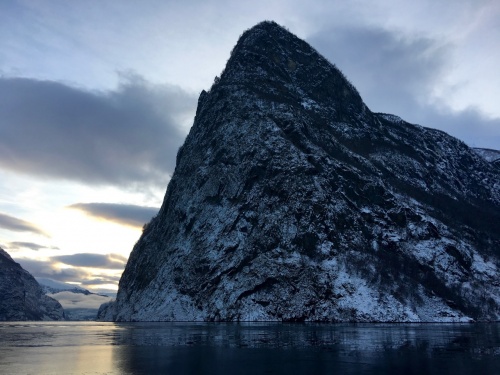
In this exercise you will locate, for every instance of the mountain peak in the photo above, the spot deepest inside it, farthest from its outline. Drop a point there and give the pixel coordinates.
(275, 64)
(266, 30)
(267, 26)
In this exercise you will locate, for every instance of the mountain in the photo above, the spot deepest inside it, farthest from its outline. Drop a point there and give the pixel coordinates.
(80, 306)
(53, 286)
(78, 303)
(292, 201)
(21, 297)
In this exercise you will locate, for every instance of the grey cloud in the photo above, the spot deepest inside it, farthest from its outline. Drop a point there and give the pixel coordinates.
(396, 74)
(70, 300)
(48, 269)
(125, 214)
(389, 70)
(102, 280)
(108, 261)
(18, 225)
(469, 125)
(29, 245)
(123, 137)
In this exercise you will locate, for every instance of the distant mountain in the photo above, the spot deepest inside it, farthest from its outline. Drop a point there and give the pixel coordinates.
(80, 306)
(78, 303)
(292, 201)
(21, 297)
(53, 286)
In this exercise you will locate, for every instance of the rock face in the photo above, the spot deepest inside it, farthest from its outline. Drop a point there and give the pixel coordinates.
(21, 297)
(292, 201)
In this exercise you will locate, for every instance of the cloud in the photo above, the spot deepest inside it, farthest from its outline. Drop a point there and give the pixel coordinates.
(49, 269)
(101, 281)
(398, 74)
(469, 125)
(18, 225)
(108, 261)
(29, 245)
(388, 68)
(123, 137)
(70, 300)
(126, 214)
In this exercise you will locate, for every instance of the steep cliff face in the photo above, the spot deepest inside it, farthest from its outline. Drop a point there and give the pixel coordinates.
(21, 297)
(292, 201)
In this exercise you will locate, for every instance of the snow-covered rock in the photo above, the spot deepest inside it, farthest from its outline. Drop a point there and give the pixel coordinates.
(292, 201)
(21, 297)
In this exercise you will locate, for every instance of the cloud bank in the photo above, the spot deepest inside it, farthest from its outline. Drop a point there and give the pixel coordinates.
(399, 74)
(125, 214)
(50, 270)
(17, 245)
(123, 137)
(92, 260)
(17, 225)
(80, 268)
(70, 300)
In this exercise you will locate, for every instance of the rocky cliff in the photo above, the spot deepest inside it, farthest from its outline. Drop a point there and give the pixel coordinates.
(292, 201)
(21, 297)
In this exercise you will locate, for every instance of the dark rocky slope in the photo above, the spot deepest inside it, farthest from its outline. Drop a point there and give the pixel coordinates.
(292, 201)
(21, 297)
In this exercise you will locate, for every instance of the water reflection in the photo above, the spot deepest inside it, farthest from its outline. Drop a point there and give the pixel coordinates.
(309, 349)
(247, 348)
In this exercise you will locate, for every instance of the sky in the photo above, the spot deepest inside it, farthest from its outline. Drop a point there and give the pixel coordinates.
(97, 96)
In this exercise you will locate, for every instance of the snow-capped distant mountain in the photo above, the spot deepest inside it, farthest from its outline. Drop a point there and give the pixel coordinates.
(80, 306)
(78, 303)
(21, 297)
(292, 201)
(53, 286)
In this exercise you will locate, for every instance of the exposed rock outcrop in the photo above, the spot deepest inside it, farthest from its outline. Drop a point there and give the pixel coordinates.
(21, 297)
(292, 201)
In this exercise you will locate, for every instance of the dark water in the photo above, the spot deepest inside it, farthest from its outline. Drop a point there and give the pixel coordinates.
(250, 348)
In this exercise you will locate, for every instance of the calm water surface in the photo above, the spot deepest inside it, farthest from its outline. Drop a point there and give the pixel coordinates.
(249, 348)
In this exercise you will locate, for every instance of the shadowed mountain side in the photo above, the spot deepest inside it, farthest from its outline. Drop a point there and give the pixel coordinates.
(21, 297)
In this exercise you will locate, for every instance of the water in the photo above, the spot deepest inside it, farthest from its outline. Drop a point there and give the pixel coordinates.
(249, 348)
